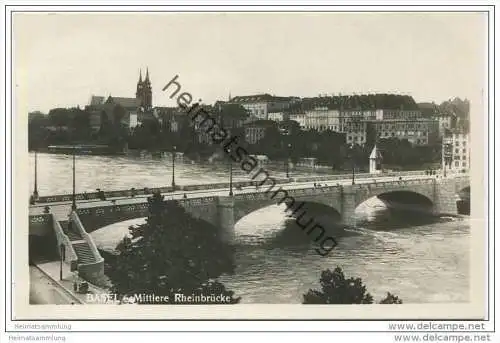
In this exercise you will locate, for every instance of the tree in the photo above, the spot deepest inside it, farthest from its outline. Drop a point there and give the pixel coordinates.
(231, 115)
(59, 117)
(171, 253)
(336, 289)
(391, 299)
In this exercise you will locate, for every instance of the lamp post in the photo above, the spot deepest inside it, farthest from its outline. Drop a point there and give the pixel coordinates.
(62, 253)
(173, 167)
(287, 163)
(230, 173)
(352, 162)
(35, 190)
(73, 205)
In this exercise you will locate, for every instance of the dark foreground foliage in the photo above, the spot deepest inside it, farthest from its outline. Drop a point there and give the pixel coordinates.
(336, 289)
(172, 253)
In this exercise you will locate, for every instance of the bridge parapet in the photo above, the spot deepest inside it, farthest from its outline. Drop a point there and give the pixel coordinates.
(40, 225)
(166, 189)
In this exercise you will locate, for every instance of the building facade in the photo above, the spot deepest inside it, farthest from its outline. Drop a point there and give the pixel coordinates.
(321, 119)
(277, 116)
(446, 122)
(300, 118)
(261, 105)
(416, 131)
(456, 151)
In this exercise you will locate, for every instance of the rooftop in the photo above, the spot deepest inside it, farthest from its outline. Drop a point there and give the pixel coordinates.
(258, 98)
(124, 102)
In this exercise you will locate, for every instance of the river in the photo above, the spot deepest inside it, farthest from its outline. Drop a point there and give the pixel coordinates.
(422, 259)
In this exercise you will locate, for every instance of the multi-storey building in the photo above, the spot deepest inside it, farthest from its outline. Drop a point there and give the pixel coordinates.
(416, 131)
(277, 116)
(352, 123)
(402, 114)
(261, 104)
(255, 131)
(299, 118)
(456, 151)
(321, 119)
(355, 130)
(446, 122)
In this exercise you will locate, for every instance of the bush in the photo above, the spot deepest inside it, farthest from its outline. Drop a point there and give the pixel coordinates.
(336, 289)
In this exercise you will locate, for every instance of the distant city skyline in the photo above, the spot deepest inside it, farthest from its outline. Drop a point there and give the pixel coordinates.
(61, 60)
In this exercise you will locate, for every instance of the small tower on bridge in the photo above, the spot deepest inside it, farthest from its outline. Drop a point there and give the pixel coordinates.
(375, 161)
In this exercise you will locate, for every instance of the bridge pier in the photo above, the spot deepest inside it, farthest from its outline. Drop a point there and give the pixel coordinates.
(225, 209)
(348, 206)
(445, 197)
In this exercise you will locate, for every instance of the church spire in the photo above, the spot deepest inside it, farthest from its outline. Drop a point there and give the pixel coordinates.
(140, 75)
(147, 75)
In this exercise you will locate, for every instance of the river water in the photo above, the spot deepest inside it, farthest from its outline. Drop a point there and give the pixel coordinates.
(421, 259)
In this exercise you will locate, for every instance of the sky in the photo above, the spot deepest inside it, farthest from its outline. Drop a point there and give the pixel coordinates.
(61, 59)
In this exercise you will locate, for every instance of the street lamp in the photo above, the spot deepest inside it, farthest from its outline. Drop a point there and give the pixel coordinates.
(62, 254)
(35, 190)
(173, 167)
(352, 162)
(230, 173)
(288, 161)
(73, 205)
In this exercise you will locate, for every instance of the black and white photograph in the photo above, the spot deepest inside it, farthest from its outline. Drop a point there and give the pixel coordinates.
(226, 160)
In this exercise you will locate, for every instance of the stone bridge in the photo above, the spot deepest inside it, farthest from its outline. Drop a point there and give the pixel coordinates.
(438, 195)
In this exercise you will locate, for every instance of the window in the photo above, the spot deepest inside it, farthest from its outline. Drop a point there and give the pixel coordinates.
(457, 143)
(464, 157)
(464, 164)
(456, 163)
(464, 151)
(456, 151)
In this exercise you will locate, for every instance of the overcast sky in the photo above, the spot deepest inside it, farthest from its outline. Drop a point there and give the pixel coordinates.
(60, 60)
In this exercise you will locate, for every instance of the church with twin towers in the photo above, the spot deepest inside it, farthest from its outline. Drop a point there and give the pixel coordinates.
(144, 94)
(137, 109)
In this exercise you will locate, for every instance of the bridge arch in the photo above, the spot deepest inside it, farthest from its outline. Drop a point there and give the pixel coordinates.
(306, 221)
(409, 193)
(97, 218)
(404, 199)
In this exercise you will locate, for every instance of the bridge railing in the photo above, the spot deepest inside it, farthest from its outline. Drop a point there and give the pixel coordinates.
(146, 190)
(62, 238)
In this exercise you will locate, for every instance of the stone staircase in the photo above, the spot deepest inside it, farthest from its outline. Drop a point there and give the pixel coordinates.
(80, 246)
(70, 231)
(84, 253)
